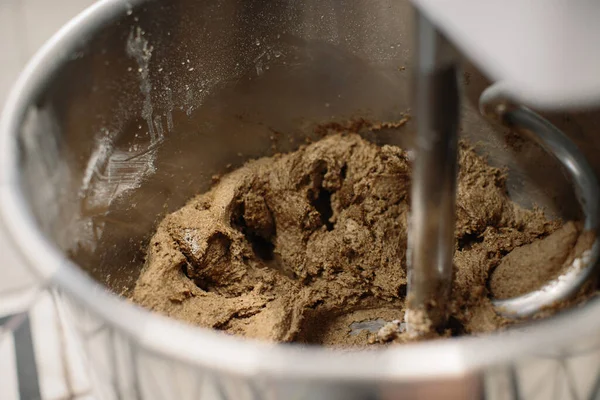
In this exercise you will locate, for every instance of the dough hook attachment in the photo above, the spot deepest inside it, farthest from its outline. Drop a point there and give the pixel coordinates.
(535, 77)
(430, 254)
(494, 103)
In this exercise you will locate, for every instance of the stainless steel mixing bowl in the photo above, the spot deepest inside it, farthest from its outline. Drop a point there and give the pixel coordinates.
(132, 107)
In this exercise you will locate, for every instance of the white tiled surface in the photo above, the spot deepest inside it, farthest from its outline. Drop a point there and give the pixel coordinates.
(8, 369)
(37, 359)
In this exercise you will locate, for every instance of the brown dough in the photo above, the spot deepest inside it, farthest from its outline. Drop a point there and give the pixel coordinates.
(525, 267)
(303, 246)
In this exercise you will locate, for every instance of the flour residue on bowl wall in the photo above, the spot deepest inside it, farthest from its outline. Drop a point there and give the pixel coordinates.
(111, 171)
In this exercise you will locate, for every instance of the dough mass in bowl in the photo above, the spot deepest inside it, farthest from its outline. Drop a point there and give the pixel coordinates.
(306, 245)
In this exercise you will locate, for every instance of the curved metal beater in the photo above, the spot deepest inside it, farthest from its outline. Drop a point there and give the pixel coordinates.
(493, 103)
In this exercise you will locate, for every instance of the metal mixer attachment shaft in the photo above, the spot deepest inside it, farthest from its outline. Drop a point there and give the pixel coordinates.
(431, 234)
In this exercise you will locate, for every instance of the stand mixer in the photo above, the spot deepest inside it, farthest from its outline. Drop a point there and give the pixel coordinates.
(529, 54)
(220, 74)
